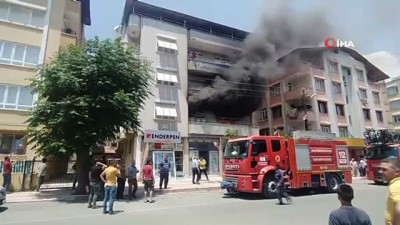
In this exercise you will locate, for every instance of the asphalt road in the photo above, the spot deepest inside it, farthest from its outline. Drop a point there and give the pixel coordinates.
(198, 208)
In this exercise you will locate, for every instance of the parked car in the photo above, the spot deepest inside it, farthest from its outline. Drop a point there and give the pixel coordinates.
(3, 194)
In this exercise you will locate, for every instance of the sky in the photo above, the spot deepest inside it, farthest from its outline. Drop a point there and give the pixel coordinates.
(372, 26)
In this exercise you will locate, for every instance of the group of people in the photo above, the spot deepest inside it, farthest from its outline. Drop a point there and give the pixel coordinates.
(358, 168)
(199, 166)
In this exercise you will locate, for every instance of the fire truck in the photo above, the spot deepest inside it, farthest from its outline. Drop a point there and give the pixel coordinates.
(381, 144)
(310, 159)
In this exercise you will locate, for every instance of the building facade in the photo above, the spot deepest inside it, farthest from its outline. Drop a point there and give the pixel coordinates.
(335, 91)
(187, 54)
(31, 31)
(393, 96)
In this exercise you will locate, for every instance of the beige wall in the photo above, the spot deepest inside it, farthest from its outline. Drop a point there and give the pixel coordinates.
(20, 34)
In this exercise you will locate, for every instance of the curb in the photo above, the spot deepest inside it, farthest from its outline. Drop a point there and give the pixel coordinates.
(84, 197)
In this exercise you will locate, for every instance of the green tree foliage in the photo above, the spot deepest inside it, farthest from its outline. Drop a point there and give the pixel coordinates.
(86, 93)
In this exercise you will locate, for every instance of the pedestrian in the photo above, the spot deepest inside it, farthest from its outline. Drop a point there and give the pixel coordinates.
(75, 176)
(109, 177)
(121, 182)
(42, 169)
(280, 186)
(7, 170)
(148, 181)
(95, 182)
(390, 169)
(164, 169)
(132, 180)
(195, 170)
(203, 168)
(347, 213)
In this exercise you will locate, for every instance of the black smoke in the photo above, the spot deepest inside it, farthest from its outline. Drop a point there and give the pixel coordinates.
(240, 90)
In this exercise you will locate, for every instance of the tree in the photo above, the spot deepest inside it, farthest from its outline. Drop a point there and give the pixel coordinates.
(229, 134)
(86, 94)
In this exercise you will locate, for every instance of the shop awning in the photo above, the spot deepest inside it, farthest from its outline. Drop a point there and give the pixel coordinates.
(354, 142)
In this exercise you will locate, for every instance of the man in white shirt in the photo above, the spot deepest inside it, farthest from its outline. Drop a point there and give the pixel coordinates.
(195, 170)
(41, 173)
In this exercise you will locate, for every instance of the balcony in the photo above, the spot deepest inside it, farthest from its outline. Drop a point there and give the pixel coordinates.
(218, 127)
(67, 39)
(206, 67)
(209, 42)
(300, 68)
(297, 92)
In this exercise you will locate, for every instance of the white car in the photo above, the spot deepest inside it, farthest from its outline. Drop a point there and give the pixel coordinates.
(3, 194)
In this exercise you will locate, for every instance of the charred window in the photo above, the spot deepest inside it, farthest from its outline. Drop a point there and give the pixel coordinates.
(258, 147)
(276, 145)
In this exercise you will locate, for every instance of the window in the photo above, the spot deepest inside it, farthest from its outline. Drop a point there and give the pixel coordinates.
(392, 90)
(320, 85)
(12, 143)
(360, 75)
(379, 116)
(323, 107)
(367, 114)
(343, 132)
(396, 119)
(326, 128)
(167, 125)
(166, 111)
(363, 94)
(263, 115)
(395, 105)
(16, 97)
(375, 95)
(17, 54)
(22, 15)
(275, 90)
(276, 112)
(333, 67)
(167, 45)
(276, 145)
(339, 110)
(166, 78)
(167, 94)
(336, 88)
(258, 147)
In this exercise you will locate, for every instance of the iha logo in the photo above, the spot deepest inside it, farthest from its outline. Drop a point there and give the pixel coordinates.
(336, 43)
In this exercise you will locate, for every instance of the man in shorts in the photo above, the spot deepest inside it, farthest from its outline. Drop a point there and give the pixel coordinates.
(148, 181)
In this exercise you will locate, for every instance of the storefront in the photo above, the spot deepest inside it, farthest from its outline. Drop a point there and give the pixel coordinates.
(169, 143)
(208, 148)
(356, 146)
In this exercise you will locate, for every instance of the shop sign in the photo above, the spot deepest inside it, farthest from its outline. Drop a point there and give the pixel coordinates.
(162, 136)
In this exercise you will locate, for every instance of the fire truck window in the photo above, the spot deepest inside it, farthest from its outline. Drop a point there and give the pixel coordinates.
(259, 146)
(276, 145)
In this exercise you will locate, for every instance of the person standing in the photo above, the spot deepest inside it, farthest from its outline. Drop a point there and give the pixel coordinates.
(109, 177)
(390, 169)
(132, 180)
(121, 182)
(203, 168)
(148, 181)
(164, 169)
(95, 182)
(347, 213)
(195, 170)
(42, 169)
(280, 186)
(7, 170)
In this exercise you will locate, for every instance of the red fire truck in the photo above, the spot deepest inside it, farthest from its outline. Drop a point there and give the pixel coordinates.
(311, 160)
(381, 144)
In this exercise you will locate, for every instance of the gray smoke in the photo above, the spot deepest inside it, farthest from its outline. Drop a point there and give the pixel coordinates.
(280, 31)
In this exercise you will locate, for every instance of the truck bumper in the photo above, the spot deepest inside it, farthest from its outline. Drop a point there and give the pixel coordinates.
(234, 184)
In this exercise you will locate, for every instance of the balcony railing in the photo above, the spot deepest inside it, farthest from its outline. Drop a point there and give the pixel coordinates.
(205, 66)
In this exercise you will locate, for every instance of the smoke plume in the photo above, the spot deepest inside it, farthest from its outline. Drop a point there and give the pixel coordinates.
(240, 90)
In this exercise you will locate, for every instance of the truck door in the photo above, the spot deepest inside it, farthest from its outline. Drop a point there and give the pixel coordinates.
(259, 153)
(278, 152)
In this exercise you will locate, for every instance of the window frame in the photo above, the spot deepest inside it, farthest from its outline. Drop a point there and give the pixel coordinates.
(12, 60)
(17, 106)
(9, 6)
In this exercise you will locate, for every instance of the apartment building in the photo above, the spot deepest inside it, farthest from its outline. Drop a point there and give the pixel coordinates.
(336, 91)
(31, 31)
(187, 54)
(393, 96)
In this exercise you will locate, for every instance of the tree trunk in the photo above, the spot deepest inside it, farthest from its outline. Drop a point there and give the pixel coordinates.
(83, 167)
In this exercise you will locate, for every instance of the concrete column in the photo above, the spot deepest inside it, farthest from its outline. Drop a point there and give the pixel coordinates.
(186, 161)
(138, 151)
(221, 156)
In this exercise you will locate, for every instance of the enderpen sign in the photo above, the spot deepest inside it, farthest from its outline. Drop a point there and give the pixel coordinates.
(162, 136)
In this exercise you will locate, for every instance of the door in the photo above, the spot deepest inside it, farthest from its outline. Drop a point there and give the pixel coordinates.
(259, 157)
(192, 153)
(179, 163)
(158, 157)
(213, 162)
(278, 152)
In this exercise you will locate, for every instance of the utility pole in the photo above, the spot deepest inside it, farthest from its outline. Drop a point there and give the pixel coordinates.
(305, 110)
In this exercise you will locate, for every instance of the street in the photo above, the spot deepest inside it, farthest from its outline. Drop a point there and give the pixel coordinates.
(199, 208)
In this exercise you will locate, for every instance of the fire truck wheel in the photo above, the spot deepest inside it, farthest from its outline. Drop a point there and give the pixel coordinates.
(269, 188)
(332, 182)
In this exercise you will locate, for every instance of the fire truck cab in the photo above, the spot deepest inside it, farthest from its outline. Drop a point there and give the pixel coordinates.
(310, 159)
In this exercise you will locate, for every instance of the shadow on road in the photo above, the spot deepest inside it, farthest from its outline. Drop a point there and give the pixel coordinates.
(3, 209)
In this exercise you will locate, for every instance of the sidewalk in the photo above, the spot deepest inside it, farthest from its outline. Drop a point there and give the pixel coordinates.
(66, 195)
